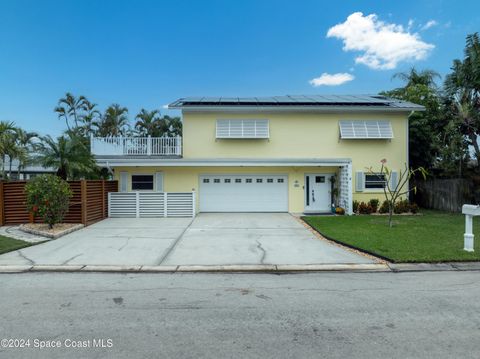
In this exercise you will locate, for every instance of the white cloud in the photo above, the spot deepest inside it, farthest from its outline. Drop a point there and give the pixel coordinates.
(429, 24)
(410, 24)
(382, 45)
(331, 79)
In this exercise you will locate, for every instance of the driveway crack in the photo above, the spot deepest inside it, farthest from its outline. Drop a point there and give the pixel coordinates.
(70, 259)
(264, 252)
(26, 258)
(125, 244)
(170, 249)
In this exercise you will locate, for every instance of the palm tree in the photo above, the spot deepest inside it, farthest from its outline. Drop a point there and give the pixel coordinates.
(171, 126)
(68, 154)
(114, 121)
(148, 123)
(90, 118)
(414, 77)
(7, 130)
(25, 144)
(175, 126)
(12, 151)
(462, 88)
(70, 107)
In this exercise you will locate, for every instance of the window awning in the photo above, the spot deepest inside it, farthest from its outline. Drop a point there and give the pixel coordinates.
(365, 130)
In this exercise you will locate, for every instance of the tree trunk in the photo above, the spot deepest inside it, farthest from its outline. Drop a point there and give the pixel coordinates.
(3, 166)
(62, 173)
(473, 139)
(390, 215)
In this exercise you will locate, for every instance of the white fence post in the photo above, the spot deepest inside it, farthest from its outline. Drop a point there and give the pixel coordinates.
(137, 201)
(165, 205)
(178, 146)
(193, 204)
(109, 203)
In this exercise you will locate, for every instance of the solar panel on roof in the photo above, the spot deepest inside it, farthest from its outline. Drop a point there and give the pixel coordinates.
(247, 100)
(298, 100)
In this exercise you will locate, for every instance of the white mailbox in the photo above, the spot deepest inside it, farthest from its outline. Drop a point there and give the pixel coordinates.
(469, 210)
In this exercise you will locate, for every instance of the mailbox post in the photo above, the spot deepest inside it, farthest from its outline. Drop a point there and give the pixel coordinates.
(469, 211)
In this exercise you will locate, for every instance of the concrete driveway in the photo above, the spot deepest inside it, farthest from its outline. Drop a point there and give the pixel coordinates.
(210, 239)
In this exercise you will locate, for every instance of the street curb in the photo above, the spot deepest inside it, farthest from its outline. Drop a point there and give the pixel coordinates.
(263, 268)
(254, 268)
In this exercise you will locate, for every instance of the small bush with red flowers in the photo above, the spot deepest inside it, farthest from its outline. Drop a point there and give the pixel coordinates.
(48, 196)
(365, 208)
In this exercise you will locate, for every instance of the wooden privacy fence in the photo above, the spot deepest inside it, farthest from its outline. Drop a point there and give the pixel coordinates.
(444, 194)
(88, 205)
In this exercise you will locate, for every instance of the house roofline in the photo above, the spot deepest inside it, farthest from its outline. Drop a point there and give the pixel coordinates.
(123, 161)
(305, 109)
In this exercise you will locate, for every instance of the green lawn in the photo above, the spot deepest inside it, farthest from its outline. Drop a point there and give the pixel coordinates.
(432, 237)
(9, 244)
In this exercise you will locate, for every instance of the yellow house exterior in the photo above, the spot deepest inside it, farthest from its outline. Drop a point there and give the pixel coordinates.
(301, 143)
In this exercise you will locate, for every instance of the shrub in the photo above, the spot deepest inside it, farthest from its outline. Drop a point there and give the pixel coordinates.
(48, 196)
(339, 210)
(374, 204)
(364, 208)
(413, 207)
(401, 207)
(384, 207)
(355, 206)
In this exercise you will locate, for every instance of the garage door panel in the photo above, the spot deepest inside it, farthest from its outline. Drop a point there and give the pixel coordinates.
(243, 193)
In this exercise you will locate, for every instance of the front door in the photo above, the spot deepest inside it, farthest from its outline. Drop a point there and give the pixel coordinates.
(317, 193)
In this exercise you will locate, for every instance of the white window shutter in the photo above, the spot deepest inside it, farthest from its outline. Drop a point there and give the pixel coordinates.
(159, 181)
(123, 181)
(393, 179)
(359, 181)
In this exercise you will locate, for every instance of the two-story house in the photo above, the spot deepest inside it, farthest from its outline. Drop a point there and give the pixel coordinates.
(274, 154)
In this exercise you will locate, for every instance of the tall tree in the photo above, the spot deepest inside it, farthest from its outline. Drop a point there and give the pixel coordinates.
(114, 121)
(420, 88)
(462, 88)
(70, 108)
(25, 143)
(69, 155)
(148, 123)
(173, 126)
(7, 130)
(90, 118)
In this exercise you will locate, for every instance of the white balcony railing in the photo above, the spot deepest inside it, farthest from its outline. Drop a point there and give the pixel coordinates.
(136, 146)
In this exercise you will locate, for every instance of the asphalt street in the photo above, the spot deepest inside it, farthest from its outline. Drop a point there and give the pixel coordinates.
(311, 315)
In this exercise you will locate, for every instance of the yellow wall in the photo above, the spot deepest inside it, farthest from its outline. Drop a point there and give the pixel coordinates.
(295, 135)
(298, 135)
(183, 179)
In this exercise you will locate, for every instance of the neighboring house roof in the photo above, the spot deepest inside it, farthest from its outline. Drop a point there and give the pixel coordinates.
(301, 102)
(30, 168)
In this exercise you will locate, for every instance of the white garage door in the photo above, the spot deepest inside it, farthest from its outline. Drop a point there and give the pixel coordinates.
(243, 193)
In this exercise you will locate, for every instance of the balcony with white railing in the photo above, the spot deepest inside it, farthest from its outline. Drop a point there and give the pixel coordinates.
(136, 146)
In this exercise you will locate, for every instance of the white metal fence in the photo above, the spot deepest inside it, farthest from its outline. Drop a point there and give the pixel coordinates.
(136, 146)
(151, 204)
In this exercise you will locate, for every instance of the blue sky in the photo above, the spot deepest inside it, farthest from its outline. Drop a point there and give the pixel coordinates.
(145, 54)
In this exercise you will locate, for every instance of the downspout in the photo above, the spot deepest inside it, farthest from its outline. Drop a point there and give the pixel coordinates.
(109, 169)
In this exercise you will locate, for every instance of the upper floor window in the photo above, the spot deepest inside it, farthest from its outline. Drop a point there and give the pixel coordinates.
(243, 129)
(366, 130)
